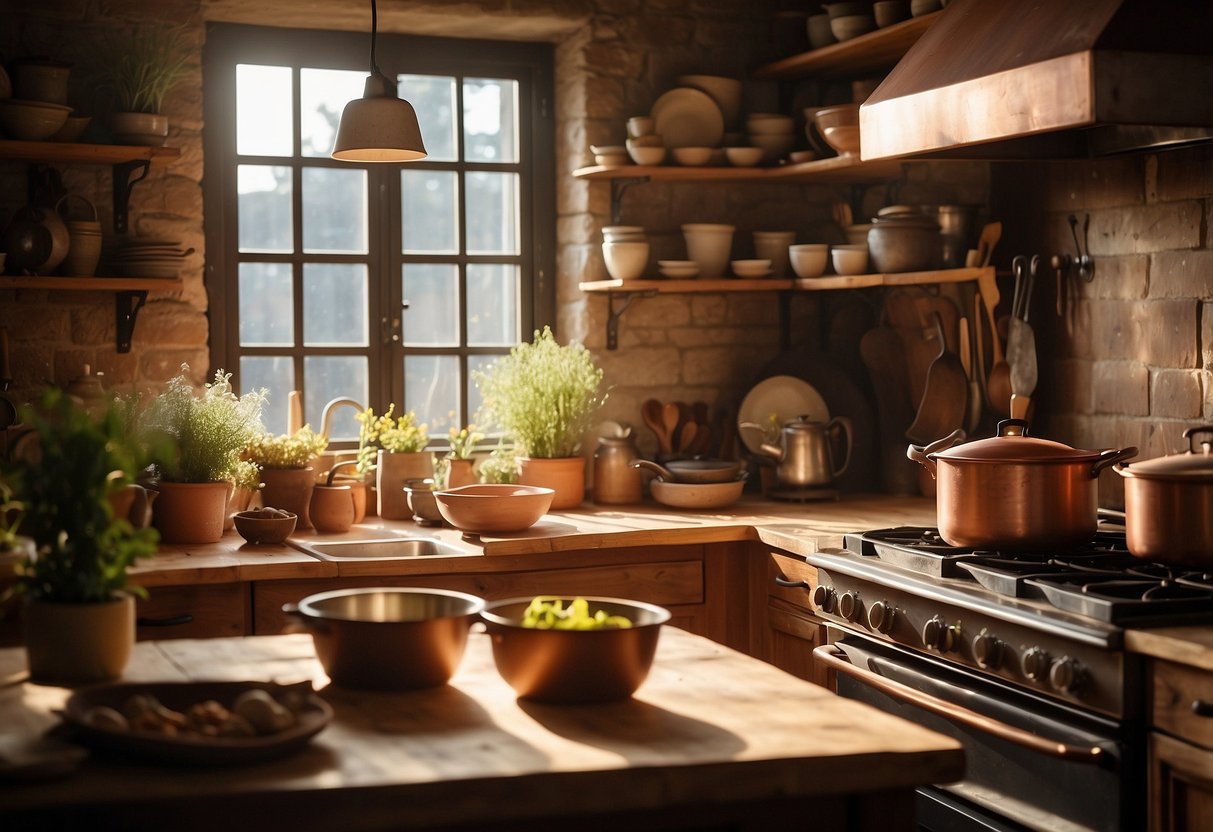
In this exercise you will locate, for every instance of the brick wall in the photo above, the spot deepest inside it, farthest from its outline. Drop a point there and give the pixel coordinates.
(1130, 359)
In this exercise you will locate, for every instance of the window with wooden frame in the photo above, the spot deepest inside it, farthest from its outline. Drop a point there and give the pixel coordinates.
(377, 283)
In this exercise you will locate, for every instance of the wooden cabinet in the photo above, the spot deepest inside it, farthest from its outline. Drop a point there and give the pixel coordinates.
(203, 611)
(1181, 748)
(792, 631)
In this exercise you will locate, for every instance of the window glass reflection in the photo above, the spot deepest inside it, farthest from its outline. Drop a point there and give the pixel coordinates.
(264, 110)
(490, 120)
(263, 203)
(334, 210)
(274, 373)
(335, 305)
(431, 389)
(329, 377)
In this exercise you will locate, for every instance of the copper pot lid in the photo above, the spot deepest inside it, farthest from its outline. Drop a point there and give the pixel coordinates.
(1012, 444)
(1196, 463)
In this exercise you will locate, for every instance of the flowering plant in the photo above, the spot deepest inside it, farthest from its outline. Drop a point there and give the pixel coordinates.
(501, 466)
(247, 475)
(543, 394)
(291, 450)
(463, 441)
(400, 435)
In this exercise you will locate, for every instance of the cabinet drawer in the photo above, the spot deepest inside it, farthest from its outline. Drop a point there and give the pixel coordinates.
(1176, 688)
(783, 569)
(205, 611)
(669, 584)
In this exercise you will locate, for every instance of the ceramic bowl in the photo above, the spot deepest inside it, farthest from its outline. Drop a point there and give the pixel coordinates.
(751, 268)
(574, 666)
(809, 259)
(838, 115)
(678, 269)
(843, 139)
(623, 234)
(798, 157)
(610, 155)
(73, 128)
(642, 155)
(849, 259)
(31, 121)
(257, 526)
(640, 126)
(921, 7)
(647, 140)
(774, 147)
(743, 157)
(709, 244)
(625, 260)
(694, 495)
(852, 26)
(692, 156)
(769, 124)
(494, 508)
(819, 31)
(888, 12)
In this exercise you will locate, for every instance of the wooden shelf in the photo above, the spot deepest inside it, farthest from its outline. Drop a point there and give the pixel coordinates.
(873, 52)
(662, 286)
(843, 169)
(93, 284)
(83, 154)
(864, 281)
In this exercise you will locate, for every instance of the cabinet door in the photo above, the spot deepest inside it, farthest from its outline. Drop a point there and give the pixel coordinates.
(1181, 786)
(792, 636)
(205, 611)
(1180, 700)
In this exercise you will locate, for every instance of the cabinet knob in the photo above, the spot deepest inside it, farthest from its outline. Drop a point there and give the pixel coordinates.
(1202, 708)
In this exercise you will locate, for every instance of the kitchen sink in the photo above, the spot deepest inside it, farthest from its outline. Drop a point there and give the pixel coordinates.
(395, 548)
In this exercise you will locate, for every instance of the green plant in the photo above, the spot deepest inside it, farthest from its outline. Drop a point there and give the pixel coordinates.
(400, 435)
(247, 475)
(463, 441)
(140, 69)
(543, 394)
(207, 432)
(292, 450)
(82, 550)
(501, 465)
(12, 511)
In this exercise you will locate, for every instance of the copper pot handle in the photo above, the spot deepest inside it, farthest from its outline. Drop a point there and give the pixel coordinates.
(1200, 430)
(833, 657)
(922, 454)
(1110, 457)
(302, 622)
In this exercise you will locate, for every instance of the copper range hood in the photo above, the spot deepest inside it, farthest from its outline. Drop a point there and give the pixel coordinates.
(1006, 79)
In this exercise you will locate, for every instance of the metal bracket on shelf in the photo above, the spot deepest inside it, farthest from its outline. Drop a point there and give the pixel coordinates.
(614, 314)
(123, 185)
(126, 307)
(618, 188)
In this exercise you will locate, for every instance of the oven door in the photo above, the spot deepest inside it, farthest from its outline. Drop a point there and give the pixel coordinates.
(1029, 763)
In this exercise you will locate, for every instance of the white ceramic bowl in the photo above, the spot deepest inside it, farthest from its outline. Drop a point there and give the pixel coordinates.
(642, 155)
(31, 121)
(623, 234)
(678, 269)
(640, 126)
(625, 261)
(692, 156)
(809, 259)
(774, 147)
(743, 157)
(852, 26)
(850, 259)
(751, 268)
(798, 157)
(709, 245)
(647, 140)
(769, 124)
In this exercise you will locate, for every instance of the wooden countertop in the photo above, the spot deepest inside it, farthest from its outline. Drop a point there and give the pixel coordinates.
(799, 528)
(1191, 645)
(709, 727)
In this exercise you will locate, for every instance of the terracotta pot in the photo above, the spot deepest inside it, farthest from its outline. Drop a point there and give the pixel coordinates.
(565, 476)
(1169, 503)
(332, 508)
(391, 473)
(71, 643)
(191, 512)
(1013, 492)
(289, 489)
(461, 472)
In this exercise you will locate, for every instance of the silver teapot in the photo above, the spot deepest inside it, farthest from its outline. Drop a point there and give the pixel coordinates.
(805, 456)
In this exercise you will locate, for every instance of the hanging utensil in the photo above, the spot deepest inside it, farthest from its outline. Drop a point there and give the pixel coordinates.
(991, 233)
(1021, 342)
(651, 413)
(670, 416)
(944, 404)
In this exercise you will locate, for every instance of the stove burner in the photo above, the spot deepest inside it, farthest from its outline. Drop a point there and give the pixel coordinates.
(1121, 599)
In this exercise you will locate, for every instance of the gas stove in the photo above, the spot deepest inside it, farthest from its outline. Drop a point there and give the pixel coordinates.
(1050, 622)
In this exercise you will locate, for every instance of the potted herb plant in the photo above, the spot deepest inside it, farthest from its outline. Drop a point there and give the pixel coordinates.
(545, 395)
(206, 433)
(459, 467)
(400, 455)
(79, 613)
(138, 71)
(246, 482)
(286, 470)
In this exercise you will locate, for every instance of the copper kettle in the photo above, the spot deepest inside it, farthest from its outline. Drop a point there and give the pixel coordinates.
(805, 455)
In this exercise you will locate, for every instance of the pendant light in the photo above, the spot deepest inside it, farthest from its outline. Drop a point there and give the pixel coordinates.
(379, 127)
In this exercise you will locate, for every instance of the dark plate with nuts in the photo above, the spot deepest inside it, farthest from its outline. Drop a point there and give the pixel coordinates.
(197, 723)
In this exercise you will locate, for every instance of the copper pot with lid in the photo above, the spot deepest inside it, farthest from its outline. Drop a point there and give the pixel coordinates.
(1169, 503)
(1013, 491)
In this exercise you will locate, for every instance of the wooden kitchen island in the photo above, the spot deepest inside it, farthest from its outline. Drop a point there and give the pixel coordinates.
(713, 738)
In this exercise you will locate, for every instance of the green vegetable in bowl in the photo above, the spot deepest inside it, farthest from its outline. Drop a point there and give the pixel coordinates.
(551, 614)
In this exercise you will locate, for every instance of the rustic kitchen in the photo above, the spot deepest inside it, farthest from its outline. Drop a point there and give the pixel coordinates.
(691, 415)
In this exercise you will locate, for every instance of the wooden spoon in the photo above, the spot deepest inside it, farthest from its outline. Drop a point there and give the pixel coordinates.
(651, 412)
(670, 416)
(991, 233)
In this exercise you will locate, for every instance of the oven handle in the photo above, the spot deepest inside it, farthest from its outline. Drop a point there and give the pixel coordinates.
(833, 657)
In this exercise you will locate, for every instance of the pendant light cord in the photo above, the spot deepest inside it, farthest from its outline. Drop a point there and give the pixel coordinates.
(374, 30)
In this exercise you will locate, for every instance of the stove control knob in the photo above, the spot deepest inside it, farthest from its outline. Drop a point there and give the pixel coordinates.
(939, 634)
(1066, 675)
(987, 650)
(823, 598)
(1036, 664)
(880, 616)
(848, 606)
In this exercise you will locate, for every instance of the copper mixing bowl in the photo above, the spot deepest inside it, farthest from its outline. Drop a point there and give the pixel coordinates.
(575, 666)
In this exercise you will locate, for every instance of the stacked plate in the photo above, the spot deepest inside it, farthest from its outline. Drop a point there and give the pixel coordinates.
(149, 257)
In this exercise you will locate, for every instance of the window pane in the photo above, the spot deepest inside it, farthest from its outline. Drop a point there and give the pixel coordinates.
(493, 290)
(276, 374)
(429, 216)
(335, 305)
(431, 390)
(266, 317)
(328, 377)
(334, 210)
(264, 205)
(433, 97)
(264, 118)
(323, 94)
(490, 120)
(432, 293)
(493, 221)
(479, 363)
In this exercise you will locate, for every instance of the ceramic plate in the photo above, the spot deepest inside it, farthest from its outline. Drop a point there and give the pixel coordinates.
(312, 714)
(686, 117)
(776, 400)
